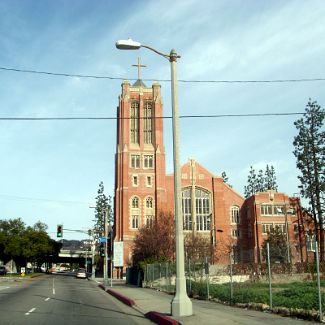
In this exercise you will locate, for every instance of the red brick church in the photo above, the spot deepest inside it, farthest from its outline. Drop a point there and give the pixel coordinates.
(210, 206)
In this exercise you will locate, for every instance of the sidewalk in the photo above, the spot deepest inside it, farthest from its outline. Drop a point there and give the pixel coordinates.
(156, 306)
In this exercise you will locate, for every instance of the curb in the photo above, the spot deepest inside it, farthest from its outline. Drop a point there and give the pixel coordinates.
(154, 316)
(160, 318)
(120, 297)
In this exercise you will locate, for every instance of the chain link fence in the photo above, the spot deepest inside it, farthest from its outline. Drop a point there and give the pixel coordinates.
(291, 289)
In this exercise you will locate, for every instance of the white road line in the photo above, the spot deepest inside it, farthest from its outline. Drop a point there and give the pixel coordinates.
(3, 288)
(30, 311)
(53, 288)
(48, 298)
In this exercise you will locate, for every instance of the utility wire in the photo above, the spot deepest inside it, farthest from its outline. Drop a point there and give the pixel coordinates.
(161, 80)
(128, 118)
(15, 197)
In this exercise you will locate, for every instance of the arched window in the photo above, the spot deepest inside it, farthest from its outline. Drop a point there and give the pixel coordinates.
(149, 203)
(134, 213)
(149, 211)
(202, 209)
(135, 202)
(234, 211)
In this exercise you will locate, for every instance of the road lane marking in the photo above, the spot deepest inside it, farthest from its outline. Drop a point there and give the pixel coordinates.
(3, 288)
(30, 311)
(53, 288)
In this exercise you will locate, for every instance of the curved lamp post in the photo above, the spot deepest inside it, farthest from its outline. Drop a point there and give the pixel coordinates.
(181, 304)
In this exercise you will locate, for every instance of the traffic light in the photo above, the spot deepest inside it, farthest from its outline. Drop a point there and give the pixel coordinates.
(59, 230)
(102, 250)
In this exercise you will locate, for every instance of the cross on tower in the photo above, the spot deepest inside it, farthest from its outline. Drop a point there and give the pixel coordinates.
(139, 66)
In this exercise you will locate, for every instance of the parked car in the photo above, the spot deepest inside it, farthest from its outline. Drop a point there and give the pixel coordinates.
(3, 270)
(81, 274)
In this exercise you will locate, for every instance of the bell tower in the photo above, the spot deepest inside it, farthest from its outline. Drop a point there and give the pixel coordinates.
(140, 189)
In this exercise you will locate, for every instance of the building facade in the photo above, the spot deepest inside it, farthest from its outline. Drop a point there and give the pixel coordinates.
(211, 208)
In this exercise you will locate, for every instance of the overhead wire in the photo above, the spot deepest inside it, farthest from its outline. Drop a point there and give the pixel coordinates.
(161, 80)
(157, 117)
(15, 197)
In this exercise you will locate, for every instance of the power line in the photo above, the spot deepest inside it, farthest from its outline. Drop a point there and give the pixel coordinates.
(15, 197)
(128, 118)
(161, 80)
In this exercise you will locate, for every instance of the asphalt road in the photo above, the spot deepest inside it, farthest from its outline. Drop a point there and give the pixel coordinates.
(55, 299)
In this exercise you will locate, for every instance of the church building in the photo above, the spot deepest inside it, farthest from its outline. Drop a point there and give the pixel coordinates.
(210, 207)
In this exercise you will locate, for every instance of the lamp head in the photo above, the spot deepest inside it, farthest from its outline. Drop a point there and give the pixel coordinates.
(128, 44)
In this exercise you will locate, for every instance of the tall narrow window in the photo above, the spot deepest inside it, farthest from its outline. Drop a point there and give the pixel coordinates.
(147, 122)
(187, 209)
(149, 203)
(134, 129)
(135, 222)
(202, 199)
(149, 221)
(149, 211)
(135, 212)
(135, 202)
(235, 214)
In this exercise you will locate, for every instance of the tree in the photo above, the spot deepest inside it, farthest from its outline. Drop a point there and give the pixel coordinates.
(225, 178)
(37, 246)
(197, 247)
(11, 231)
(40, 226)
(156, 242)
(270, 179)
(103, 206)
(310, 154)
(278, 246)
(251, 187)
(260, 182)
(25, 244)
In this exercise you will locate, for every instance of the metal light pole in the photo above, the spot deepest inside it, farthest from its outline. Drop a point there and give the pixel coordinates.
(105, 250)
(111, 252)
(181, 304)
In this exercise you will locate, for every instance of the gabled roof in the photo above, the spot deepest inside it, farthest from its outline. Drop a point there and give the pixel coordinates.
(139, 83)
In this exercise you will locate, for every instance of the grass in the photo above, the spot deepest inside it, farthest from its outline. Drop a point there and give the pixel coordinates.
(296, 295)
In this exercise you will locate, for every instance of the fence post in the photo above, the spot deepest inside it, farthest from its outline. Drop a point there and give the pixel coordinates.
(159, 277)
(153, 275)
(231, 284)
(206, 271)
(318, 284)
(270, 276)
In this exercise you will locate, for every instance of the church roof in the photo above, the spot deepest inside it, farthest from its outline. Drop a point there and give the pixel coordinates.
(139, 83)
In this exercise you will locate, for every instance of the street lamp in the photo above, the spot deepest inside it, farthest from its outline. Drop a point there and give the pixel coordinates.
(181, 304)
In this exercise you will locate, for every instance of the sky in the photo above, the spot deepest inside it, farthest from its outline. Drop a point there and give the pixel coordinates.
(50, 170)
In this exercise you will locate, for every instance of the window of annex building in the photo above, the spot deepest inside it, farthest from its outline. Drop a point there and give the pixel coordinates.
(202, 208)
(234, 214)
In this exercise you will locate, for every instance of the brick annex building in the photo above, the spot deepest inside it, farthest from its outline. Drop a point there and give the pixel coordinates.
(210, 207)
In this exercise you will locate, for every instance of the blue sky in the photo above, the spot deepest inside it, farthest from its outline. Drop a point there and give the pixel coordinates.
(50, 170)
